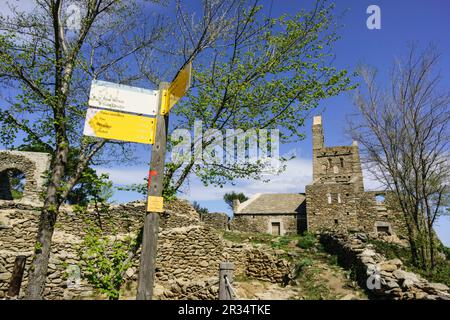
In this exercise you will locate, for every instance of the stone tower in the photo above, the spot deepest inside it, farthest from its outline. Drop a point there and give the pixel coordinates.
(336, 199)
(33, 165)
(331, 199)
(340, 164)
(318, 144)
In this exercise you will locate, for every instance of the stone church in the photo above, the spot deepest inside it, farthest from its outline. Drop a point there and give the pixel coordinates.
(335, 200)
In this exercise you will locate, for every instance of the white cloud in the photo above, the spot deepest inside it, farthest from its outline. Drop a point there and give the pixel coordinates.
(124, 175)
(298, 173)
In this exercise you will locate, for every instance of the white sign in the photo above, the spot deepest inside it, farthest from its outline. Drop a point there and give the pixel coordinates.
(119, 97)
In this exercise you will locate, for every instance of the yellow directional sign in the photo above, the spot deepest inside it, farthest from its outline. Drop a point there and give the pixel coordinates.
(155, 204)
(119, 126)
(177, 89)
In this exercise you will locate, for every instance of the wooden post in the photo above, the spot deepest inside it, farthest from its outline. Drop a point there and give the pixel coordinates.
(16, 277)
(151, 221)
(225, 269)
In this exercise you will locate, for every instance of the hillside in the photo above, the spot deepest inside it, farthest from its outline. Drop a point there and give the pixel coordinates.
(315, 274)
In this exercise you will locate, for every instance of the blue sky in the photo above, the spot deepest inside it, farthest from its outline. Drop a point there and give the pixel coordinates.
(402, 22)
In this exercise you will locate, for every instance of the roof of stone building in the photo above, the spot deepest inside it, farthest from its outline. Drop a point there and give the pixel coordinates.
(272, 203)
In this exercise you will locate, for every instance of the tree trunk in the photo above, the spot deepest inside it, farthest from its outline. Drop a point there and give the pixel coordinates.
(38, 272)
(47, 220)
(431, 247)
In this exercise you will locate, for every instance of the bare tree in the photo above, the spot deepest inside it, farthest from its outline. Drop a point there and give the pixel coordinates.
(404, 134)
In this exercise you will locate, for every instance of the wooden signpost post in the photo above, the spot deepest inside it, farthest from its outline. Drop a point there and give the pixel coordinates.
(154, 206)
(127, 120)
(169, 94)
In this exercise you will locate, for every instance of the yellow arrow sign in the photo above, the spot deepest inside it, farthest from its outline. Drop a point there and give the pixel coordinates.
(119, 126)
(177, 89)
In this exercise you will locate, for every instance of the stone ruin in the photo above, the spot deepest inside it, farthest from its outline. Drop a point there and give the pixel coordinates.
(382, 278)
(189, 250)
(33, 165)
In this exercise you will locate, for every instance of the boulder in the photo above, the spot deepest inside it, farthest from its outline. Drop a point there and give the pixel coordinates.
(368, 253)
(388, 267)
(437, 287)
(404, 275)
(396, 262)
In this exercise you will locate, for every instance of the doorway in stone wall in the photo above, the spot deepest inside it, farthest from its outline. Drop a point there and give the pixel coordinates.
(12, 184)
(276, 228)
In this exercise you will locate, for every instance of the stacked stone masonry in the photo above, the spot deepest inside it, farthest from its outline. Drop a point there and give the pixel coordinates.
(336, 200)
(189, 251)
(32, 164)
(382, 278)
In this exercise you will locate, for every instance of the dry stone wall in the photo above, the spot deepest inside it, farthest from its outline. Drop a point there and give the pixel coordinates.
(32, 164)
(217, 220)
(262, 223)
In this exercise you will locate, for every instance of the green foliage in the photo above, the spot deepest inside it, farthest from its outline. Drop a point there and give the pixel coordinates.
(307, 241)
(37, 246)
(446, 251)
(230, 196)
(301, 264)
(284, 242)
(168, 192)
(104, 259)
(333, 260)
(91, 188)
(15, 180)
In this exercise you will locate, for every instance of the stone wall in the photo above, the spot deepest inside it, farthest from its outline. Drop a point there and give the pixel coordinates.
(382, 278)
(336, 216)
(263, 223)
(356, 212)
(217, 220)
(189, 251)
(387, 213)
(32, 164)
(336, 200)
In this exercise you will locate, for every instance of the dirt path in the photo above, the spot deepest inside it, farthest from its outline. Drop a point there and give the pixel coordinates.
(319, 278)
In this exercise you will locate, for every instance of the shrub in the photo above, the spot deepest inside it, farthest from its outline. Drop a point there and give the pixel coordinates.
(307, 241)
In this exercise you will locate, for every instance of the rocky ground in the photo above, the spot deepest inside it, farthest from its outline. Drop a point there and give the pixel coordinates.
(315, 274)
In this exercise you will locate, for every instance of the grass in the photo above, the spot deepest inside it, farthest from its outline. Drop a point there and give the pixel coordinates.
(441, 273)
(309, 260)
(307, 241)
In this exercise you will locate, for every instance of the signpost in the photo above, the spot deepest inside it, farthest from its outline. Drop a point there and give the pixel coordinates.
(123, 98)
(154, 207)
(119, 126)
(177, 88)
(155, 200)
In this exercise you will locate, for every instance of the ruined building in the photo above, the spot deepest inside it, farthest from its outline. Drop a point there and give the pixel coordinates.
(335, 200)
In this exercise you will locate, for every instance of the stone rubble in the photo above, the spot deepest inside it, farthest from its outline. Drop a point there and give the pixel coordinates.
(189, 250)
(382, 278)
